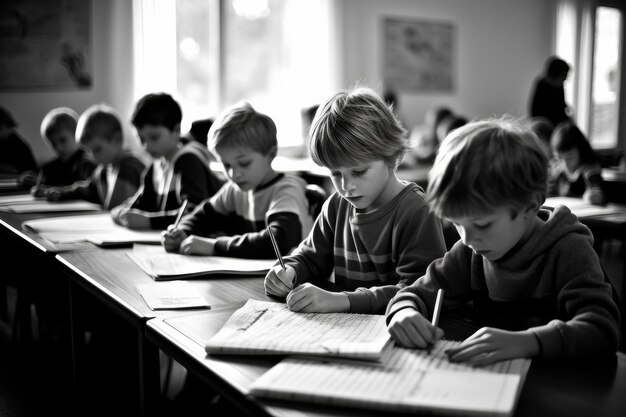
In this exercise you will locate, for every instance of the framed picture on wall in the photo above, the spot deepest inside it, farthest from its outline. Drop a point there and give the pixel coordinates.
(45, 44)
(418, 55)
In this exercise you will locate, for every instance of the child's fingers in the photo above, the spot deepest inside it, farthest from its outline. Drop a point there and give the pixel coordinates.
(299, 302)
(408, 336)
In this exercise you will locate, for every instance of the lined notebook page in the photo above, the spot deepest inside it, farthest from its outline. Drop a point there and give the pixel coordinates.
(409, 380)
(261, 327)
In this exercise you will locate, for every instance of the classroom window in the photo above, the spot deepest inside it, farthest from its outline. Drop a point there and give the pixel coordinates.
(605, 84)
(273, 53)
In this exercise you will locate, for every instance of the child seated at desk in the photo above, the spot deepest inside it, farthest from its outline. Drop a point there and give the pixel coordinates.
(179, 171)
(73, 162)
(375, 232)
(517, 267)
(118, 175)
(16, 156)
(576, 171)
(255, 197)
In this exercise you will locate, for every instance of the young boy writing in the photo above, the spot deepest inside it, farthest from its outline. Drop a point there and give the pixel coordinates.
(376, 232)
(118, 175)
(255, 197)
(73, 162)
(529, 274)
(179, 172)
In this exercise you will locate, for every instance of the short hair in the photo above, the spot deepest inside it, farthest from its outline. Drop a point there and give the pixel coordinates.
(98, 120)
(485, 164)
(6, 119)
(555, 66)
(567, 136)
(158, 109)
(60, 118)
(241, 126)
(354, 127)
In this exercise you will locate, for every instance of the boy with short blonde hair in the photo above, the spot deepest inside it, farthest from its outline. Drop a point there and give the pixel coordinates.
(375, 234)
(530, 275)
(118, 175)
(255, 198)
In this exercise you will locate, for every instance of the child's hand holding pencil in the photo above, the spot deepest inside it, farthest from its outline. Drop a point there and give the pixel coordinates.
(279, 280)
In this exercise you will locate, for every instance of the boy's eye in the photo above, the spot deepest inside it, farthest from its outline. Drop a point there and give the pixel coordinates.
(359, 172)
(244, 164)
(482, 226)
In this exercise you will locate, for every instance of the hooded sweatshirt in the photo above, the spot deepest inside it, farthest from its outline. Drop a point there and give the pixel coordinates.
(552, 284)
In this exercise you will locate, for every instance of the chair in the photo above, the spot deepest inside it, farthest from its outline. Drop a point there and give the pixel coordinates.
(315, 196)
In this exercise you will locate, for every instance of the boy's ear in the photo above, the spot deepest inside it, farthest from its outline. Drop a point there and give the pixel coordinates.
(272, 152)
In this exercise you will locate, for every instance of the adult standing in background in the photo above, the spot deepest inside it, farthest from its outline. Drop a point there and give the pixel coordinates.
(548, 96)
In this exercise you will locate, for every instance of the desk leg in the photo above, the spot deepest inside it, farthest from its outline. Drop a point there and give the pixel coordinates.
(149, 387)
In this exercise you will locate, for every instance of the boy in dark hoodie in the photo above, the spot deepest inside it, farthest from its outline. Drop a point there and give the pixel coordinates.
(529, 275)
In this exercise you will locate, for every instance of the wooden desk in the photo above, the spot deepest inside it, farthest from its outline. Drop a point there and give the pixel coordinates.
(556, 389)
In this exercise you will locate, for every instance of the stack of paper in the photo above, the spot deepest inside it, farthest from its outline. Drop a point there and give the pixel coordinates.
(409, 380)
(261, 327)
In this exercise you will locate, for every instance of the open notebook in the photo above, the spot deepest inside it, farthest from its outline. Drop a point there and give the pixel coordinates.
(408, 380)
(99, 229)
(163, 266)
(266, 328)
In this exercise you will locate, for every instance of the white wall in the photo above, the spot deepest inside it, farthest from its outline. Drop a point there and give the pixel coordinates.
(501, 46)
(112, 78)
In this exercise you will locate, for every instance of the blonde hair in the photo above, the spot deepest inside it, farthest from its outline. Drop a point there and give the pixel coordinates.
(60, 118)
(485, 164)
(241, 126)
(354, 127)
(98, 120)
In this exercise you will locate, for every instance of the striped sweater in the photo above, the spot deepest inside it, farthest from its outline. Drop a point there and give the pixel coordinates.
(373, 254)
(241, 218)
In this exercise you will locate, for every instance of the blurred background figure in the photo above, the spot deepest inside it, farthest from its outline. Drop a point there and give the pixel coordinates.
(548, 94)
(16, 157)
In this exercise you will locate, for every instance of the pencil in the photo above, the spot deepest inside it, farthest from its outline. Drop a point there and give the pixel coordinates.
(275, 245)
(180, 213)
(39, 178)
(436, 313)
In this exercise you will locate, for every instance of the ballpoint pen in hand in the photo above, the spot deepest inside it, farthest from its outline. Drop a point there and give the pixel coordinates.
(436, 313)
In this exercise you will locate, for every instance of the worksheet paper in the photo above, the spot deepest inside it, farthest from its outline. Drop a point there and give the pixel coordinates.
(261, 327)
(171, 295)
(409, 380)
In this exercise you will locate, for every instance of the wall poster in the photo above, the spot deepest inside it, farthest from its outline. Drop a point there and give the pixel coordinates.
(418, 55)
(45, 44)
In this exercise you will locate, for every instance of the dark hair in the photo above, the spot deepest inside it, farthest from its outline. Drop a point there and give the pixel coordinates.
(555, 67)
(158, 109)
(6, 119)
(567, 136)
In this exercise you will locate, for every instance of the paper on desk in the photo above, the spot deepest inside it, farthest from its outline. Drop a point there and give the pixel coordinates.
(42, 206)
(170, 295)
(409, 380)
(261, 327)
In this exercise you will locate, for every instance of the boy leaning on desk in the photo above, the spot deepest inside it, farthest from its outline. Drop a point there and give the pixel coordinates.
(235, 221)
(530, 275)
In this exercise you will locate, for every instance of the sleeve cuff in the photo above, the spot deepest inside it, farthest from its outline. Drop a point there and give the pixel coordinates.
(549, 338)
(401, 304)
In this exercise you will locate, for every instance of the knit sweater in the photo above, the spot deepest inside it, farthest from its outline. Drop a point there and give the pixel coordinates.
(373, 254)
(552, 284)
(242, 218)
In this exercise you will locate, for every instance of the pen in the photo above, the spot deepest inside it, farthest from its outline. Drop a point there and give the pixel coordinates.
(436, 313)
(180, 213)
(278, 255)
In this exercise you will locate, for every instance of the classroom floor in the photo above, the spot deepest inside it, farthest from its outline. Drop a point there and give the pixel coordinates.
(33, 382)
